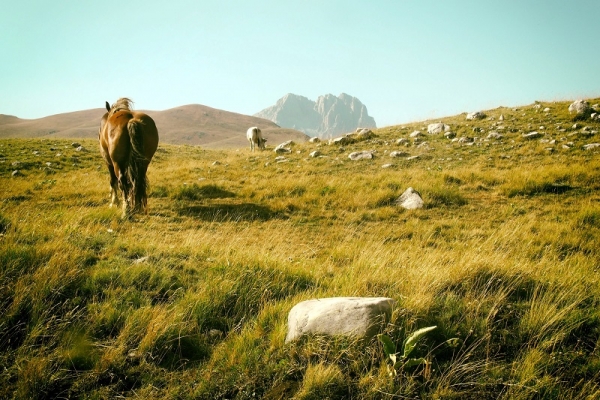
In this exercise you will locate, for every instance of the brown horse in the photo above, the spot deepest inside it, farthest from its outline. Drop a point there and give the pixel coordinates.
(128, 140)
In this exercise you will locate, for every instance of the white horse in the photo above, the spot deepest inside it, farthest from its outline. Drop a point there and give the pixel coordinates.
(254, 136)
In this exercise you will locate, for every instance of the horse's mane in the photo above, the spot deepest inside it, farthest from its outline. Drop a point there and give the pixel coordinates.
(122, 104)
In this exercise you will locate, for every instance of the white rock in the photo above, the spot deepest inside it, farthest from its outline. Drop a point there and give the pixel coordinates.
(438, 127)
(314, 140)
(363, 133)
(315, 153)
(340, 140)
(579, 107)
(410, 199)
(495, 135)
(361, 155)
(531, 135)
(591, 146)
(415, 134)
(359, 317)
(475, 115)
(284, 147)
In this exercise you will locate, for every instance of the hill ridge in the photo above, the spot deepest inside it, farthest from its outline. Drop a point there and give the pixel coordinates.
(191, 124)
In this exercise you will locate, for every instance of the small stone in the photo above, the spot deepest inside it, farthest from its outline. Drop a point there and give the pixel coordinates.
(361, 155)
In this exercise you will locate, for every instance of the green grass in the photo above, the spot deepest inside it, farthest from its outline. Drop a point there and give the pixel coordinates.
(191, 300)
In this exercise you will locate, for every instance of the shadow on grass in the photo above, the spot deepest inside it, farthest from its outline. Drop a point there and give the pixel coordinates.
(196, 192)
(230, 212)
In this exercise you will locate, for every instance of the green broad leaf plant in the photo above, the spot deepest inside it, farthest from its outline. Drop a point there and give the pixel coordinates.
(401, 359)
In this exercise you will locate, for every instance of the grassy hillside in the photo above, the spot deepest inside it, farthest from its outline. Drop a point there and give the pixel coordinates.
(191, 300)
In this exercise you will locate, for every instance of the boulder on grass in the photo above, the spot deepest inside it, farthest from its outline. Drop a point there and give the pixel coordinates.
(410, 199)
(360, 317)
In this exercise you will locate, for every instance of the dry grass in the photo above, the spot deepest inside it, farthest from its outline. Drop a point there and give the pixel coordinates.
(191, 300)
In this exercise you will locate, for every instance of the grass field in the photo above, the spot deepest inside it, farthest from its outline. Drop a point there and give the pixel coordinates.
(190, 301)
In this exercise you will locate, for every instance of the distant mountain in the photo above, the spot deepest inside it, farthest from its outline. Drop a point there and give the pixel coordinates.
(191, 124)
(328, 116)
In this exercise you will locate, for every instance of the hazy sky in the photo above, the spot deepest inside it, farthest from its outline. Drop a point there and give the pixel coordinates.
(405, 60)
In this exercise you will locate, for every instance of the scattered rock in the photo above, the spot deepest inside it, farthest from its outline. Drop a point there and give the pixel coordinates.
(361, 155)
(394, 154)
(360, 317)
(340, 140)
(16, 173)
(403, 141)
(450, 135)
(363, 133)
(591, 146)
(438, 127)
(531, 135)
(579, 107)
(465, 140)
(284, 147)
(80, 148)
(410, 199)
(315, 153)
(424, 146)
(415, 134)
(387, 165)
(475, 116)
(75, 145)
(495, 135)
(314, 140)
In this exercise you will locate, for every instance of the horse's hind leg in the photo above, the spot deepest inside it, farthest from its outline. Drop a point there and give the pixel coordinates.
(125, 189)
(114, 188)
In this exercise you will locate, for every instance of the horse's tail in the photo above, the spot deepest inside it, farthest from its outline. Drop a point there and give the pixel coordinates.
(136, 171)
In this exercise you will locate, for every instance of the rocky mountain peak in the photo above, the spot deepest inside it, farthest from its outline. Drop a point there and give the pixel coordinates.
(328, 116)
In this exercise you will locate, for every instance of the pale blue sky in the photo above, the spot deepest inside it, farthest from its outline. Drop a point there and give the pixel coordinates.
(405, 60)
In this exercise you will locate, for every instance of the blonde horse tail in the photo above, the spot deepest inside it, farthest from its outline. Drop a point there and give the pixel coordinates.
(136, 170)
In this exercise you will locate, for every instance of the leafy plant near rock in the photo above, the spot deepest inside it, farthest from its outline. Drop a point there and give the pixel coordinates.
(408, 346)
(191, 300)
